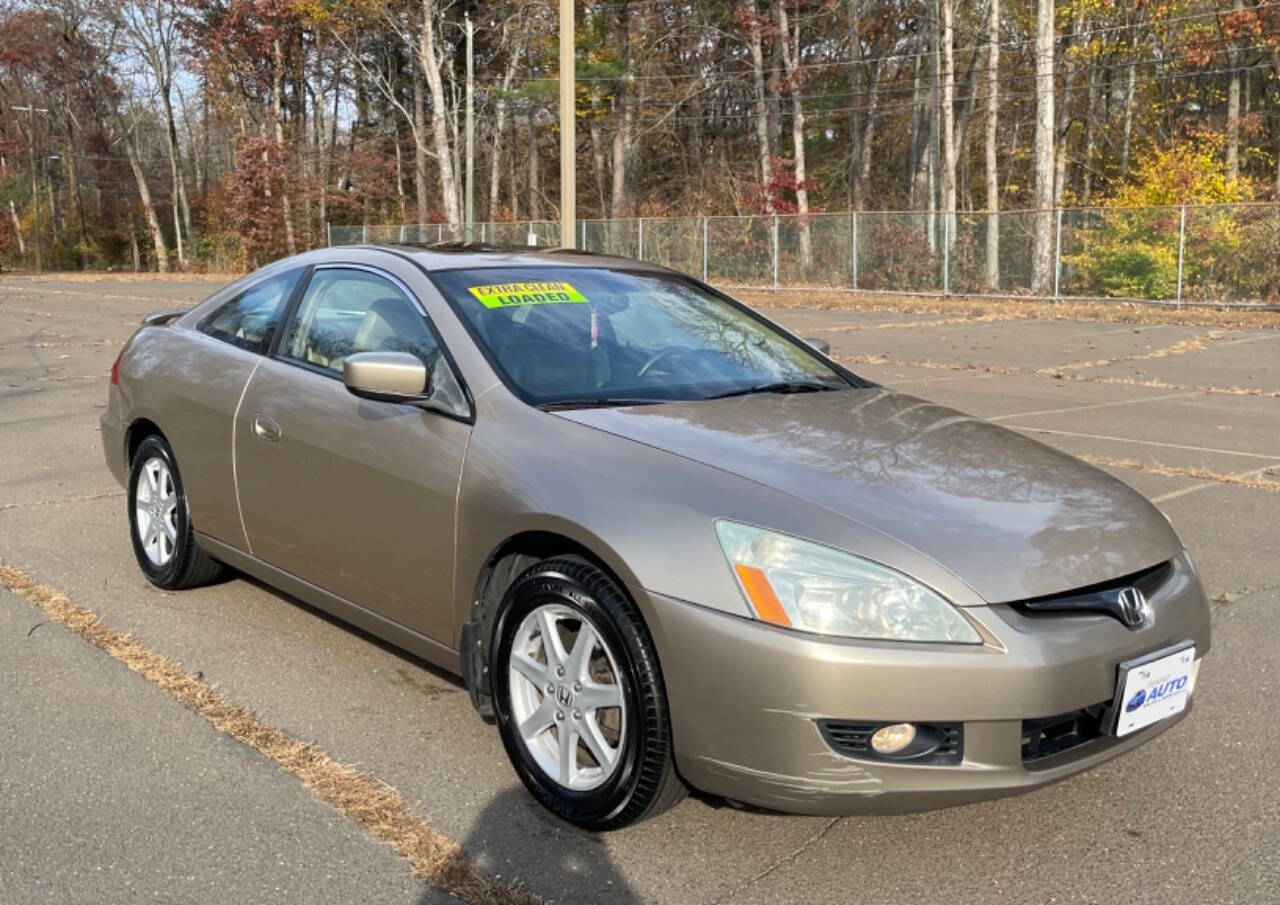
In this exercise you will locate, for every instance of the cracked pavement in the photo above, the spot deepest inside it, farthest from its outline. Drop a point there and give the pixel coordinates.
(108, 790)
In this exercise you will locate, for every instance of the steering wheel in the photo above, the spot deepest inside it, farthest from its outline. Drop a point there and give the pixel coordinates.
(660, 356)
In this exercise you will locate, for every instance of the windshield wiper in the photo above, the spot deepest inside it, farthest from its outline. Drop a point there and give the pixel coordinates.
(596, 402)
(780, 386)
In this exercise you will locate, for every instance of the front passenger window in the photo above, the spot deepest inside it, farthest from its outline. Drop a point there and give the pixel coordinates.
(348, 311)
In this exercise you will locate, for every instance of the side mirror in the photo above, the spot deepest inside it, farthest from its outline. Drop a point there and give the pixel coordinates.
(820, 344)
(386, 376)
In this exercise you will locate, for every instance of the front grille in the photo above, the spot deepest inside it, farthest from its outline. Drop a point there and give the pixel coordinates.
(936, 743)
(1055, 734)
(1099, 598)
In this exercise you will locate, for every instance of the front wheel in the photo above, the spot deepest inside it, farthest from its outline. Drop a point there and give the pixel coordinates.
(579, 699)
(163, 539)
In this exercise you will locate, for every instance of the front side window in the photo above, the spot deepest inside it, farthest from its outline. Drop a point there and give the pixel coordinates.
(250, 319)
(347, 311)
(566, 336)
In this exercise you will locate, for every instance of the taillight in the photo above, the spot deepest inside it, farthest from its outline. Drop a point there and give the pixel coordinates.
(115, 370)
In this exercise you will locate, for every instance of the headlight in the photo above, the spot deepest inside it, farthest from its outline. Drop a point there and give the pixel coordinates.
(802, 585)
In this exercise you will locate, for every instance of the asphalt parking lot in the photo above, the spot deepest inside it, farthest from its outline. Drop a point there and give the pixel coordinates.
(110, 790)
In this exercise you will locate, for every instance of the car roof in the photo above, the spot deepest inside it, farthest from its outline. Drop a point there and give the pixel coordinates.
(463, 255)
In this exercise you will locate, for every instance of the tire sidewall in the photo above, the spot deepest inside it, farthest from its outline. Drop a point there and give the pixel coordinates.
(167, 575)
(598, 805)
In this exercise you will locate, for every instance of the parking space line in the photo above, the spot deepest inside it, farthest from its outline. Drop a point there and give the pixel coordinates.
(375, 807)
(1252, 480)
(1098, 405)
(1251, 339)
(1207, 449)
(1244, 478)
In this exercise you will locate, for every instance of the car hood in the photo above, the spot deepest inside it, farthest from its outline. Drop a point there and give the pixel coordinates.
(1009, 516)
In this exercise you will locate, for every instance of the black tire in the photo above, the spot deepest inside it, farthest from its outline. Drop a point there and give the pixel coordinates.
(645, 782)
(188, 566)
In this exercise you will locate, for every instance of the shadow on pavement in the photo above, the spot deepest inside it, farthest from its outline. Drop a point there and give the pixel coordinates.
(515, 839)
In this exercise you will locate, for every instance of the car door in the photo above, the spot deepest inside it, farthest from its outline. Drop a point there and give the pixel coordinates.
(354, 495)
(201, 371)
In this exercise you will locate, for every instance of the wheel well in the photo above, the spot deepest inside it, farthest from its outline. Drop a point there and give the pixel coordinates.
(504, 565)
(139, 431)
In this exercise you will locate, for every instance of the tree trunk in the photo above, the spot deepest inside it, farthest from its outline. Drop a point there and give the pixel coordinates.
(790, 42)
(499, 126)
(993, 122)
(1233, 105)
(866, 142)
(175, 174)
(947, 65)
(1094, 89)
(277, 116)
(1064, 110)
(439, 114)
(144, 195)
(175, 164)
(134, 251)
(421, 192)
(619, 203)
(1042, 244)
(762, 109)
(17, 230)
(1130, 90)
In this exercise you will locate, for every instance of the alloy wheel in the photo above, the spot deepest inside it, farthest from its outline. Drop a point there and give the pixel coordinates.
(156, 511)
(566, 700)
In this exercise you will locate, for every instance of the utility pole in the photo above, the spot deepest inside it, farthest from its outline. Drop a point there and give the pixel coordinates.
(568, 138)
(470, 214)
(35, 179)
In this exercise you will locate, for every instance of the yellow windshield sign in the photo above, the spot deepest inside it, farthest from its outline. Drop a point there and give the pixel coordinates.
(507, 295)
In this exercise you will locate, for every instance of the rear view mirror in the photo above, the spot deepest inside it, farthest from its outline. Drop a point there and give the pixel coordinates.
(386, 376)
(820, 344)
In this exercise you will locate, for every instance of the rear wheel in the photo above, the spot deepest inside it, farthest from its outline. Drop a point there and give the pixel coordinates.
(579, 699)
(159, 523)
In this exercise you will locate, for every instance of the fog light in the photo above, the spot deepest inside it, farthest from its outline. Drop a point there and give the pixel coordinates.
(892, 739)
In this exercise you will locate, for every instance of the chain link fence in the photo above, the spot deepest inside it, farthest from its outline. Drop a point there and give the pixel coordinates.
(1191, 254)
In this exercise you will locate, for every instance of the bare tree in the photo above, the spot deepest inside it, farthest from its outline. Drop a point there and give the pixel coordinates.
(149, 28)
(947, 69)
(1042, 243)
(993, 131)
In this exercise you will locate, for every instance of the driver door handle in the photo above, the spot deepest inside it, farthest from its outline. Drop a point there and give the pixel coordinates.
(265, 429)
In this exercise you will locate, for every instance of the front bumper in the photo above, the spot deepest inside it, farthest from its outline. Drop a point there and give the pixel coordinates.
(745, 698)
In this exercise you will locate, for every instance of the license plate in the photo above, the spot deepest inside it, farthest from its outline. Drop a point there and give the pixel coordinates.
(1154, 687)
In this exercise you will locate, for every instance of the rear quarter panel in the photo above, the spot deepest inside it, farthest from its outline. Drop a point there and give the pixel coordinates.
(189, 384)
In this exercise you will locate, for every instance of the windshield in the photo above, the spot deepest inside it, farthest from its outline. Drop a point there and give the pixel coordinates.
(583, 336)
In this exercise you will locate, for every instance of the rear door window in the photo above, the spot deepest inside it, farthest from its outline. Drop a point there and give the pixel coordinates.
(249, 320)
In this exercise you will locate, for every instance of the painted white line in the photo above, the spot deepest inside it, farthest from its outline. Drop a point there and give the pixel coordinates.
(1133, 328)
(1174, 494)
(943, 379)
(1099, 405)
(1250, 339)
(1271, 457)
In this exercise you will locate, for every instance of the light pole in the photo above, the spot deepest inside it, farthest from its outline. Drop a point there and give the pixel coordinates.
(35, 178)
(568, 138)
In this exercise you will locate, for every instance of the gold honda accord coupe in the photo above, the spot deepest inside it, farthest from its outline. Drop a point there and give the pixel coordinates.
(664, 542)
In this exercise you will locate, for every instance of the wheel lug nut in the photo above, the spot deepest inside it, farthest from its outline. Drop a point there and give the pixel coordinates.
(577, 686)
(550, 688)
(577, 714)
(560, 671)
(560, 714)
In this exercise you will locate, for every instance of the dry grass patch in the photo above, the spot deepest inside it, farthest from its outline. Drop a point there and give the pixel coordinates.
(1001, 309)
(1254, 480)
(376, 808)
